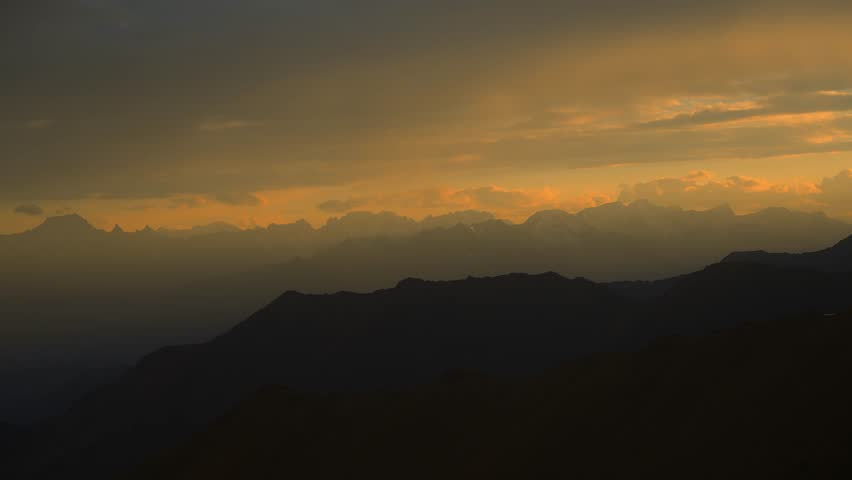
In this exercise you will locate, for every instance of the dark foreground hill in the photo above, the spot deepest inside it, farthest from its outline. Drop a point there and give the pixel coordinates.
(837, 258)
(763, 400)
(346, 342)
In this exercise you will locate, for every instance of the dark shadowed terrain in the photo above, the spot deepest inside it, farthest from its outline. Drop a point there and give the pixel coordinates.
(763, 400)
(509, 326)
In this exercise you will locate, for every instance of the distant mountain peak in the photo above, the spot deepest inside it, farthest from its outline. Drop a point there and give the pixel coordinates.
(298, 225)
(723, 209)
(492, 226)
(775, 212)
(547, 216)
(845, 244)
(117, 229)
(65, 225)
(782, 213)
(367, 224)
(362, 214)
(200, 230)
(645, 205)
(604, 207)
(455, 213)
(465, 217)
(411, 282)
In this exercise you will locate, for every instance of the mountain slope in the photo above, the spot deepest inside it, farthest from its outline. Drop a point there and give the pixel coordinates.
(343, 341)
(349, 342)
(837, 258)
(759, 401)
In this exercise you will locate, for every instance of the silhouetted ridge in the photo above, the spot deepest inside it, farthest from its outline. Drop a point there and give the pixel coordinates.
(845, 244)
(781, 214)
(774, 212)
(759, 401)
(550, 216)
(367, 224)
(467, 217)
(724, 210)
(409, 283)
(745, 255)
(646, 205)
(200, 230)
(492, 227)
(300, 226)
(837, 258)
(516, 280)
(64, 225)
(394, 338)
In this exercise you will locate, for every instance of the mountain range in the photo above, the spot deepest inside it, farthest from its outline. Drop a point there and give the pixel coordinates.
(82, 299)
(508, 326)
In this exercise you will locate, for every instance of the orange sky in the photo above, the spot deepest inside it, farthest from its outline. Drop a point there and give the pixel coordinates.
(133, 114)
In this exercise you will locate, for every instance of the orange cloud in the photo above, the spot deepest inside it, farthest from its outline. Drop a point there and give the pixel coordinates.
(240, 199)
(506, 203)
(676, 107)
(836, 193)
(702, 190)
(192, 201)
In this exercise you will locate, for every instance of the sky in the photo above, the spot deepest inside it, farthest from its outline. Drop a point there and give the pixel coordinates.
(178, 113)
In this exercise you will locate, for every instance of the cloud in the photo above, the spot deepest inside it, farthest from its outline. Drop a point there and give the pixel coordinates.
(341, 206)
(414, 84)
(835, 193)
(142, 207)
(187, 202)
(702, 190)
(29, 209)
(497, 198)
(587, 200)
(506, 203)
(785, 109)
(240, 199)
(518, 204)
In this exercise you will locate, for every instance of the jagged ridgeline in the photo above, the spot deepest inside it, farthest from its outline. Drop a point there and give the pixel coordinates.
(113, 296)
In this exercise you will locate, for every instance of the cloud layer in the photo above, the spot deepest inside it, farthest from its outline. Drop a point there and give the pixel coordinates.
(29, 209)
(505, 203)
(158, 100)
(703, 190)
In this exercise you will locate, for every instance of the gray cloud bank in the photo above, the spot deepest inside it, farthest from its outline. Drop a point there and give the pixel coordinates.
(29, 209)
(306, 93)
